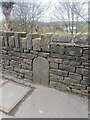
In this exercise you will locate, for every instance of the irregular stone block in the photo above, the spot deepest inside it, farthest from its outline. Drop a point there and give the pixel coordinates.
(34, 35)
(36, 44)
(57, 49)
(6, 37)
(76, 91)
(82, 71)
(59, 86)
(81, 39)
(85, 80)
(66, 68)
(17, 69)
(75, 76)
(28, 56)
(29, 41)
(54, 55)
(11, 41)
(79, 86)
(26, 72)
(29, 77)
(29, 38)
(73, 50)
(13, 53)
(18, 36)
(23, 43)
(43, 54)
(61, 38)
(53, 65)
(55, 60)
(71, 81)
(58, 72)
(55, 78)
(27, 61)
(33, 52)
(14, 63)
(45, 42)
(26, 66)
(1, 42)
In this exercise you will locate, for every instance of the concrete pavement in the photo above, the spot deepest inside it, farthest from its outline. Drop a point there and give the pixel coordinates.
(46, 102)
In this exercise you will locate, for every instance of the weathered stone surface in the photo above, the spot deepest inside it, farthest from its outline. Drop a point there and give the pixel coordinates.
(53, 65)
(17, 69)
(85, 80)
(66, 68)
(6, 36)
(61, 39)
(76, 91)
(1, 42)
(11, 95)
(54, 55)
(68, 62)
(81, 39)
(14, 54)
(28, 77)
(69, 80)
(55, 60)
(43, 54)
(58, 72)
(29, 41)
(28, 55)
(14, 63)
(11, 41)
(26, 74)
(79, 87)
(34, 35)
(2, 82)
(23, 43)
(41, 71)
(34, 52)
(82, 71)
(27, 61)
(75, 76)
(59, 86)
(55, 78)
(18, 36)
(26, 66)
(73, 50)
(36, 44)
(57, 49)
(72, 63)
(45, 42)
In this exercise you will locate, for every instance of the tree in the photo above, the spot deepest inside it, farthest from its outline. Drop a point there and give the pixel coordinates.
(6, 9)
(70, 13)
(28, 14)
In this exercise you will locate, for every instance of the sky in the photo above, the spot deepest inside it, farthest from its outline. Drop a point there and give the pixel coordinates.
(47, 14)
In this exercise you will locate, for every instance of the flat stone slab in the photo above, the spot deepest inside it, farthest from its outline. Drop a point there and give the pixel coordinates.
(11, 94)
(41, 71)
(2, 81)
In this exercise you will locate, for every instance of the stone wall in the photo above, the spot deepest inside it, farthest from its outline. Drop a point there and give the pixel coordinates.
(67, 57)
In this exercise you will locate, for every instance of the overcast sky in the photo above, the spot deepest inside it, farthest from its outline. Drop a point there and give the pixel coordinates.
(47, 16)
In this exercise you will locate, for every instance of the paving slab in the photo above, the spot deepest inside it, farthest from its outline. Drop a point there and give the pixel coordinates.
(11, 94)
(50, 103)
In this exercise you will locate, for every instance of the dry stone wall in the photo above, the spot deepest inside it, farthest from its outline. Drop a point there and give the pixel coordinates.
(67, 58)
